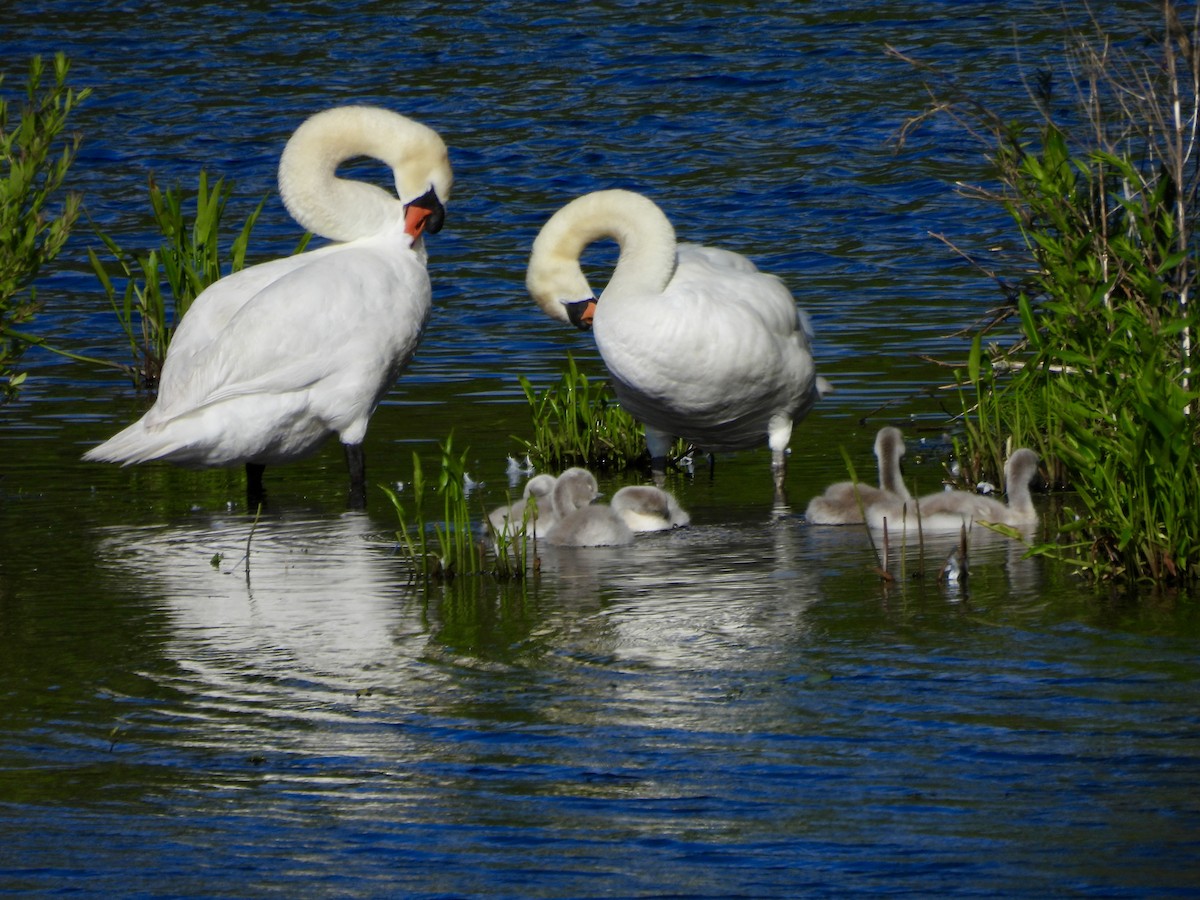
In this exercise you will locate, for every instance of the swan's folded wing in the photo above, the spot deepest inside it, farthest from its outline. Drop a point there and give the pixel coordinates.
(357, 311)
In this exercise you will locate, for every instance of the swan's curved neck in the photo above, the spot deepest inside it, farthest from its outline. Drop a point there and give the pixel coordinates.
(341, 209)
(1019, 474)
(644, 234)
(889, 454)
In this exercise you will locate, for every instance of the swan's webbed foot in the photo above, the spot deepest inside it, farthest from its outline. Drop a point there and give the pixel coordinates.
(356, 464)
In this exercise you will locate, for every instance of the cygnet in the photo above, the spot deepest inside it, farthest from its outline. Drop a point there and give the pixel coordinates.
(843, 502)
(511, 521)
(579, 522)
(948, 511)
(648, 508)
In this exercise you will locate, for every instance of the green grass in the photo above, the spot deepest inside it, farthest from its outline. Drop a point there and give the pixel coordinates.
(161, 283)
(579, 423)
(37, 154)
(456, 547)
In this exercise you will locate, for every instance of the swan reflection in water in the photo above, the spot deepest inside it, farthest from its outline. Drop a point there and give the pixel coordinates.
(323, 610)
(325, 597)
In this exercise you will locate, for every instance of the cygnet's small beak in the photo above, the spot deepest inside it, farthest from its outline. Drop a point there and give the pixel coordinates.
(426, 213)
(581, 313)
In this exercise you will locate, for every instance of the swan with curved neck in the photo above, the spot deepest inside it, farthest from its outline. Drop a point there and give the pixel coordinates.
(700, 344)
(844, 502)
(272, 360)
(948, 511)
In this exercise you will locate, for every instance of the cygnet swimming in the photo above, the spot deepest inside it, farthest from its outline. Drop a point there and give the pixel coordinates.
(948, 511)
(511, 520)
(843, 503)
(648, 508)
(579, 522)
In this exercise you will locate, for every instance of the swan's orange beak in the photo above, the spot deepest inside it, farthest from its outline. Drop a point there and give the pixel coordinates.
(581, 313)
(426, 213)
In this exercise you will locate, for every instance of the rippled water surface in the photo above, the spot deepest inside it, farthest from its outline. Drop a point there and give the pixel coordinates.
(193, 703)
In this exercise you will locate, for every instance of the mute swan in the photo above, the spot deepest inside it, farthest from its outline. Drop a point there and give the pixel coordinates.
(843, 502)
(699, 343)
(648, 508)
(510, 520)
(272, 360)
(948, 511)
(579, 522)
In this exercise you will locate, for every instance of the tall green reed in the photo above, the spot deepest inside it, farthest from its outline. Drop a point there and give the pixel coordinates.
(457, 548)
(1101, 377)
(161, 283)
(579, 423)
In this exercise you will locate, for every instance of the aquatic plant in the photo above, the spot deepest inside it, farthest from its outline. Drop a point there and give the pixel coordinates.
(1100, 379)
(36, 159)
(160, 284)
(579, 423)
(457, 548)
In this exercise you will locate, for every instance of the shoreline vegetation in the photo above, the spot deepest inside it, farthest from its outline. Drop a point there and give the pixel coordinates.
(1102, 186)
(36, 215)
(1100, 324)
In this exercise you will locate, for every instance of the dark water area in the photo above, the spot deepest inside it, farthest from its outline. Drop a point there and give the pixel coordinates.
(193, 703)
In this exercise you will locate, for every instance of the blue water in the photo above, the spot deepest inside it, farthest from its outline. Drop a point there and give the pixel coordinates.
(194, 704)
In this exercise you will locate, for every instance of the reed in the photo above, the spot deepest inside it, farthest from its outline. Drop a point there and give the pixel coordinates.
(1100, 379)
(160, 284)
(35, 156)
(458, 548)
(579, 423)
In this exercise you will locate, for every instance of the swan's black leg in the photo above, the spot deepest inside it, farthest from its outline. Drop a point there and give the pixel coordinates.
(256, 494)
(658, 470)
(779, 475)
(356, 464)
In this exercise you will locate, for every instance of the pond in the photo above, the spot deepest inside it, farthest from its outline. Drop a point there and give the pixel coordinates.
(196, 702)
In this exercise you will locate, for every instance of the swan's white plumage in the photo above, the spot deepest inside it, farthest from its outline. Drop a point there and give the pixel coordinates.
(948, 511)
(844, 502)
(270, 361)
(700, 344)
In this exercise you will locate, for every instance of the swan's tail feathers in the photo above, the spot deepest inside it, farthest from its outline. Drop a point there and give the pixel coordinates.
(133, 445)
(823, 386)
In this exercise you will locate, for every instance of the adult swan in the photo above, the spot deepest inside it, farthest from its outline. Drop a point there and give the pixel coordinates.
(700, 344)
(272, 360)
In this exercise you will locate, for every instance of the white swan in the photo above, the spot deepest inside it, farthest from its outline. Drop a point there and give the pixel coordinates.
(645, 507)
(843, 503)
(272, 360)
(581, 523)
(511, 520)
(699, 343)
(948, 511)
